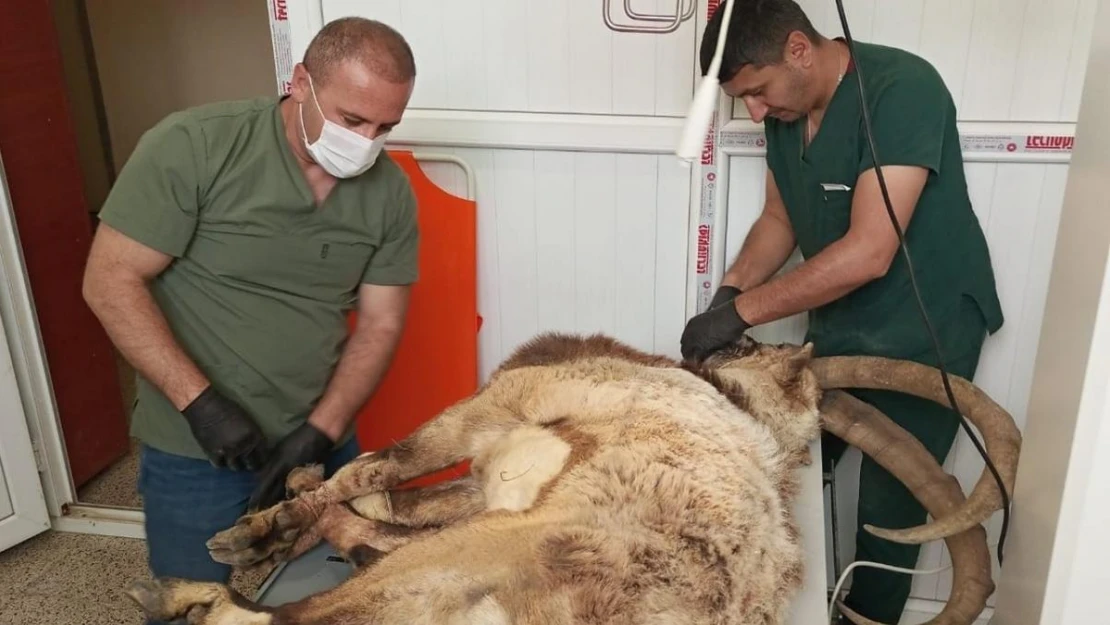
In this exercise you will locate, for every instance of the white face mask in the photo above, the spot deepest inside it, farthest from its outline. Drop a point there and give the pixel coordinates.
(341, 152)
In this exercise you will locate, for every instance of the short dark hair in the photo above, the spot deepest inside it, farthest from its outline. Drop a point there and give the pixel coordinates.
(374, 43)
(757, 34)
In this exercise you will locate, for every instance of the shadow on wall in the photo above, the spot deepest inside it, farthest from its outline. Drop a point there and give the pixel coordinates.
(129, 63)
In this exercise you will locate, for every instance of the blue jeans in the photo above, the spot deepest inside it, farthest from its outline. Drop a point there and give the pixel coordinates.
(187, 501)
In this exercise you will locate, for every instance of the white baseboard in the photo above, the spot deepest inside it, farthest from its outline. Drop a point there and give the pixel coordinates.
(103, 521)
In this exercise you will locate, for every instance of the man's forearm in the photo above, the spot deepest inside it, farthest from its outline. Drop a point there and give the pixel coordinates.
(361, 368)
(765, 250)
(137, 327)
(839, 269)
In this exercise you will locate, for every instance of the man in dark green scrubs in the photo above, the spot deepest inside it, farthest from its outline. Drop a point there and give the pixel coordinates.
(823, 196)
(236, 241)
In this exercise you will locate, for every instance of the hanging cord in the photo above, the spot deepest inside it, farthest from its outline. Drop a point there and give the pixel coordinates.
(876, 565)
(913, 282)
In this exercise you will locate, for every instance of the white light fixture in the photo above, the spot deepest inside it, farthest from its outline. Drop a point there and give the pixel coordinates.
(702, 108)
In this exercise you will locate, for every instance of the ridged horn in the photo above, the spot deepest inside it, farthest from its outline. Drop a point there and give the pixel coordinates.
(1000, 434)
(865, 427)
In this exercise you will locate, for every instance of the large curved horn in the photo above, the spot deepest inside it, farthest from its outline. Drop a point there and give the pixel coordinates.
(866, 428)
(1000, 434)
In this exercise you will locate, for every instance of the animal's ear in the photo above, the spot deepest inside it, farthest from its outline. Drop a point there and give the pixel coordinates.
(797, 362)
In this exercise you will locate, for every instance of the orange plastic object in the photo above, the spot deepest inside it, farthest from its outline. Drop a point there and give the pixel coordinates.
(436, 363)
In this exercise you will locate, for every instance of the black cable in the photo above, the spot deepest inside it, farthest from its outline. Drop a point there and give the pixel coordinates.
(913, 282)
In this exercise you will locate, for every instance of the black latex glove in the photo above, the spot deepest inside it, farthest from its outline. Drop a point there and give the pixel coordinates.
(228, 435)
(712, 330)
(304, 445)
(724, 294)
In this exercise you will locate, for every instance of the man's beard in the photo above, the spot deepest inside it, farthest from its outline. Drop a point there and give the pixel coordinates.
(797, 88)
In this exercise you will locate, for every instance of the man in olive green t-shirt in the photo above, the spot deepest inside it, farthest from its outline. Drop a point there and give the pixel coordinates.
(230, 251)
(823, 196)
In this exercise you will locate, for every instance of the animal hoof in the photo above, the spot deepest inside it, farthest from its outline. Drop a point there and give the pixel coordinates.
(256, 537)
(173, 599)
(304, 479)
(248, 530)
(198, 603)
(148, 596)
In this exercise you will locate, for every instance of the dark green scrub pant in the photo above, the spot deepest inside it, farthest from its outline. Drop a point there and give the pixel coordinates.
(884, 502)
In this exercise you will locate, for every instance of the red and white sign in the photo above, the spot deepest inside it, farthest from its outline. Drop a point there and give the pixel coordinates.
(704, 240)
(970, 144)
(1017, 144)
(707, 211)
(1051, 143)
(283, 44)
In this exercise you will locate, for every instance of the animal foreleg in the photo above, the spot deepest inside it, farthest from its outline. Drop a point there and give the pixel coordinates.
(363, 541)
(429, 506)
(290, 545)
(378, 523)
(365, 527)
(456, 434)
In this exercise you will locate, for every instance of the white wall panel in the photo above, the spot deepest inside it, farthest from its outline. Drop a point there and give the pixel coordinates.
(1043, 58)
(555, 224)
(1077, 60)
(575, 241)
(945, 40)
(537, 56)
(1019, 207)
(894, 23)
(1003, 60)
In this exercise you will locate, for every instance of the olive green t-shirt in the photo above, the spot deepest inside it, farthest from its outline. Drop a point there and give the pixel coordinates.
(913, 120)
(262, 279)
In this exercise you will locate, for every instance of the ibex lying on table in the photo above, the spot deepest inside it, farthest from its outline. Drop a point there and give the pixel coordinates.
(608, 486)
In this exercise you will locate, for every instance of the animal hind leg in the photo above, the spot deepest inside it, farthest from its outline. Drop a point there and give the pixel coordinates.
(446, 579)
(208, 603)
(197, 603)
(461, 599)
(458, 433)
(450, 581)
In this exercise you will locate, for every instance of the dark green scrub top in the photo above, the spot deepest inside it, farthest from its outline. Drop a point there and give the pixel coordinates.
(913, 121)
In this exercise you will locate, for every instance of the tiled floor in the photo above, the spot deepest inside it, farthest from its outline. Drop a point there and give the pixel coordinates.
(60, 578)
(116, 485)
